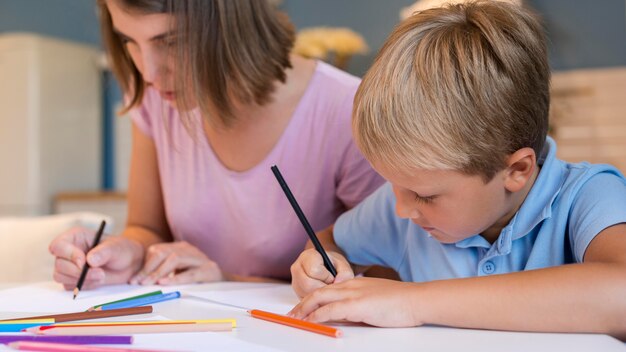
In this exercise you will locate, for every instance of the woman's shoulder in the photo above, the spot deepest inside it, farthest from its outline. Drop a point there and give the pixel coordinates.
(328, 75)
(330, 91)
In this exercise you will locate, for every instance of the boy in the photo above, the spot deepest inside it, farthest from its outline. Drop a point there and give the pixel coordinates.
(454, 114)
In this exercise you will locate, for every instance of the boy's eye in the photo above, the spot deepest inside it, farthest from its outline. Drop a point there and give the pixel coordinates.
(424, 200)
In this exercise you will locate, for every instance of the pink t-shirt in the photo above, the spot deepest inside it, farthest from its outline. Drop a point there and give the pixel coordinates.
(242, 220)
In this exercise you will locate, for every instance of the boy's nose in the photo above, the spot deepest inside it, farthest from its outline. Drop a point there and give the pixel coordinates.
(406, 212)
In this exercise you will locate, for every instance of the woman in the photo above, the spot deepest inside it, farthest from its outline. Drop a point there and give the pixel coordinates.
(216, 98)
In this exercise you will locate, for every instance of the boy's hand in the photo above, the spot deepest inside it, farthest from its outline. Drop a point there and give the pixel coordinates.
(372, 301)
(308, 272)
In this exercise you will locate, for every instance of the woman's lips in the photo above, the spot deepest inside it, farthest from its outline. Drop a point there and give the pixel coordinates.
(169, 95)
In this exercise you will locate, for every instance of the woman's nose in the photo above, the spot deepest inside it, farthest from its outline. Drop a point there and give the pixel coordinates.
(152, 68)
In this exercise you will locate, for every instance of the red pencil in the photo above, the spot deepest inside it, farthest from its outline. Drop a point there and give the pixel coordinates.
(296, 323)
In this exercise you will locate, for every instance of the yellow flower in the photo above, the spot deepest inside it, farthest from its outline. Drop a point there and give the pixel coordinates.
(319, 42)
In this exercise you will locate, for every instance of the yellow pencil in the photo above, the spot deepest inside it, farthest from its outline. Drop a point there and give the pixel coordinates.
(27, 321)
(133, 329)
(38, 329)
(233, 322)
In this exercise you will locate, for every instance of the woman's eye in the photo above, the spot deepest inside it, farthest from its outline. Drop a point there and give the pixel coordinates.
(168, 42)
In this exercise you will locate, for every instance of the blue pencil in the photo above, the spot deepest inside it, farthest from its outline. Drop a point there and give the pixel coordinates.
(17, 327)
(142, 301)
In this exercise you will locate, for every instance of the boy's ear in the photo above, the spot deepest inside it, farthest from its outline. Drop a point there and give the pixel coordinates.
(520, 169)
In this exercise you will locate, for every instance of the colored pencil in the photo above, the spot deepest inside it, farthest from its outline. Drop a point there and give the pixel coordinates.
(141, 301)
(26, 321)
(307, 226)
(80, 340)
(96, 314)
(19, 325)
(232, 322)
(135, 329)
(153, 293)
(296, 323)
(83, 273)
(63, 347)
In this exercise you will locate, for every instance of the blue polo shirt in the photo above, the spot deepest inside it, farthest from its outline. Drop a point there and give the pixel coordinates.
(568, 205)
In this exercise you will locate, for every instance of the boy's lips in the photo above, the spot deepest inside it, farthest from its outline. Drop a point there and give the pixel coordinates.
(425, 228)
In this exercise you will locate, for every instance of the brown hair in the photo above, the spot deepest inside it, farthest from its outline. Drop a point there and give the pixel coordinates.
(231, 51)
(459, 88)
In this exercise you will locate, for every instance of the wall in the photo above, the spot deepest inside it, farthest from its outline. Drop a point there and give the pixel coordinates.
(70, 19)
(583, 34)
(373, 19)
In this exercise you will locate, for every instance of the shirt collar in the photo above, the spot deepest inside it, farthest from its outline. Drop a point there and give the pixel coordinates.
(536, 207)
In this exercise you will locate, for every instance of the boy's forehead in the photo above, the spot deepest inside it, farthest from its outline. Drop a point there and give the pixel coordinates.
(411, 178)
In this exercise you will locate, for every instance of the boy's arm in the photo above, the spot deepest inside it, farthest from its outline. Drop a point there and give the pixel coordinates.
(587, 297)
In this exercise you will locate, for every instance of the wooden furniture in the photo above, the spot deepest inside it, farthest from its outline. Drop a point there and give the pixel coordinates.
(588, 115)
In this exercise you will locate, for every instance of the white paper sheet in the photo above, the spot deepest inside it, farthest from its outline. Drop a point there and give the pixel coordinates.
(189, 341)
(198, 341)
(276, 298)
(50, 297)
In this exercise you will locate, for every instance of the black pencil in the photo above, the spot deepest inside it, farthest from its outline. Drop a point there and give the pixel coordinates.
(83, 273)
(307, 227)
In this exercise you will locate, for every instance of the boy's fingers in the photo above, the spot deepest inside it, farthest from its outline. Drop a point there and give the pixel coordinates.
(312, 302)
(304, 288)
(344, 270)
(343, 276)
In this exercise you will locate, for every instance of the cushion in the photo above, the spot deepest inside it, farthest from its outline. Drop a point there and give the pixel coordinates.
(24, 242)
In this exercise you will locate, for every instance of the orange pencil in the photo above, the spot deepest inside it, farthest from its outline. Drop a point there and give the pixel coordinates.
(296, 323)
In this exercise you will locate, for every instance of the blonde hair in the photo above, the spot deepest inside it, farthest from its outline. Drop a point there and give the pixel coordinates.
(230, 51)
(456, 88)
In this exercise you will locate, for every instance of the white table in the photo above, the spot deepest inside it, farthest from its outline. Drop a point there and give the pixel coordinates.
(259, 335)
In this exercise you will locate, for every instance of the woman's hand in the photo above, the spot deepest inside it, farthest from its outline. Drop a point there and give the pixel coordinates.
(175, 263)
(113, 261)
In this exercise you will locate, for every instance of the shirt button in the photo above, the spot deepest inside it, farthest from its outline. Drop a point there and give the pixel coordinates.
(489, 267)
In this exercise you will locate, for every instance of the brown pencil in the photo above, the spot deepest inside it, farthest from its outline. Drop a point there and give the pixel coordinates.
(96, 314)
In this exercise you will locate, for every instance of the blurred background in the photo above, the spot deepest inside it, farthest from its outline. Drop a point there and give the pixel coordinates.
(62, 147)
